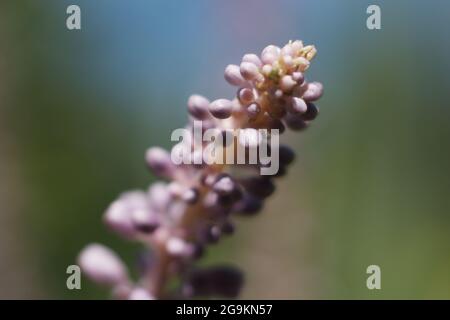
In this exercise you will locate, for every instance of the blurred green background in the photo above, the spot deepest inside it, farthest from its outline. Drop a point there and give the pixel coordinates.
(370, 185)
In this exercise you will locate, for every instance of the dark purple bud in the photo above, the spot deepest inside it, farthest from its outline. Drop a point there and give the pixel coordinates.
(295, 122)
(212, 234)
(311, 113)
(227, 228)
(198, 251)
(248, 205)
(260, 186)
(221, 281)
(286, 155)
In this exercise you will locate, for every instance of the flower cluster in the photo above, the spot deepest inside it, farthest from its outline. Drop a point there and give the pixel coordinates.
(195, 205)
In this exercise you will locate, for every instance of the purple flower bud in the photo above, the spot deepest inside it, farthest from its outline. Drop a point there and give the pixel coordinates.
(160, 162)
(190, 195)
(298, 77)
(299, 90)
(233, 76)
(253, 58)
(311, 113)
(222, 281)
(295, 122)
(287, 83)
(121, 291)
(287, 50)
(102, 265)
(118, 217)
(159, 196)
(221, 108)
(313, 92)
(211, 234)
(253, 110)
(296, 46)
(217, 205)
(297, 105)
(209, 179)
(270, 54)
(260, 186)
(145, 220)
(198, 106)
(246, 96)
(278, 93)
(227, 228)
(178, 247)
(288, 61)
(249, 71)
(267, 69)
(286, 155)
(249, 205)
(198, 251)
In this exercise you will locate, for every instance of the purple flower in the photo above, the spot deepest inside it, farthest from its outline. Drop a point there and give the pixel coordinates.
(177, 219)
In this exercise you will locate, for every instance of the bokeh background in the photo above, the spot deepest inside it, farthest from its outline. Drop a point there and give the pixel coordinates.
(370, 185)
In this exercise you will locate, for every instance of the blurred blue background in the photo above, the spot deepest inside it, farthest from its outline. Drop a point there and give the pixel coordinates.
(370, 185)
